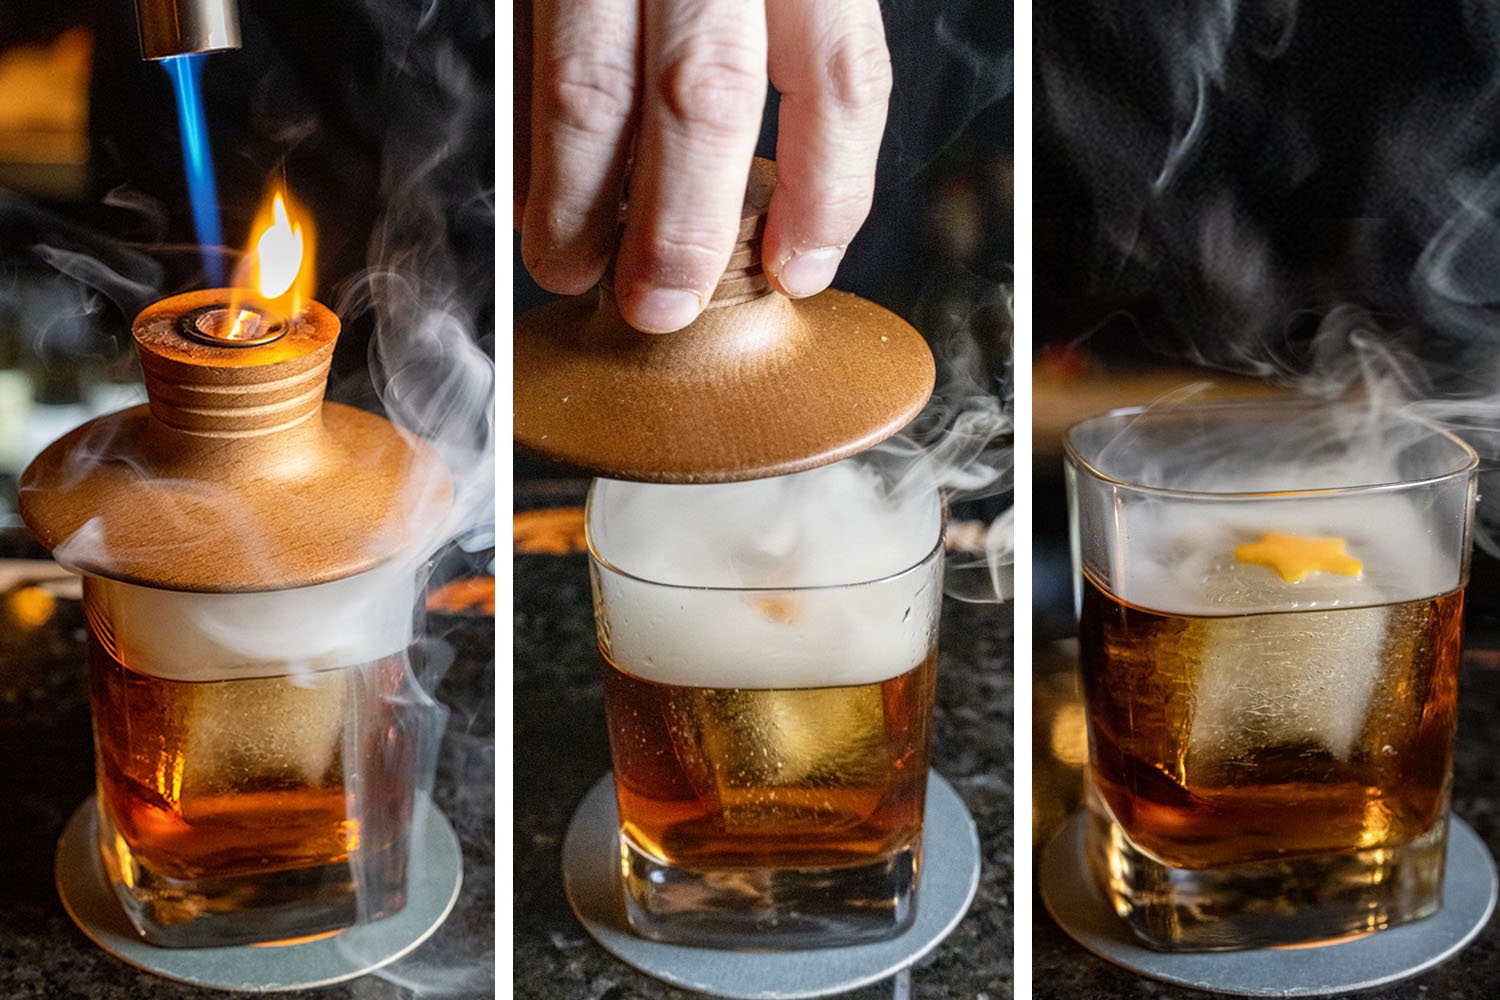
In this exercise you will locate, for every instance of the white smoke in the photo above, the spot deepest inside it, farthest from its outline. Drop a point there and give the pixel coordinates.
(820, 578)
(429, 291)
(953, 63)
(1266, 199)
(359, 619)
(842, 523)
(967, 429)
(1217, 477)
(58, 282)
(430, 295)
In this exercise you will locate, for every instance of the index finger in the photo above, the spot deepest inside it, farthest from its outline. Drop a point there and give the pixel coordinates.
(704, 89)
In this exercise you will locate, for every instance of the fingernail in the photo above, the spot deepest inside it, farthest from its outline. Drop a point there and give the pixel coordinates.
(663, 310)
(809, 272)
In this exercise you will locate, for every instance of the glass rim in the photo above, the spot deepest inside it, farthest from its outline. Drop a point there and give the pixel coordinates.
(936, 550)
(1084, 465)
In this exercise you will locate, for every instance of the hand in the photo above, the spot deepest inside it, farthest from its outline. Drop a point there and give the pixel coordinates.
(684, 81)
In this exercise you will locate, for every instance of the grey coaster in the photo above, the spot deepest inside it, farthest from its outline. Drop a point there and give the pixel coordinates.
(950, 875)
(1469, 890)
(435, 876)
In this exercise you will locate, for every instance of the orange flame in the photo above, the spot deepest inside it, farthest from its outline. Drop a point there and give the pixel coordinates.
(275, 275)
(279, 254)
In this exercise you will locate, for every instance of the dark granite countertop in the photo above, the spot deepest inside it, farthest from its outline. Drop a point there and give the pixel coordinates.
(561, 749)
(47, 754)
(1063, 969)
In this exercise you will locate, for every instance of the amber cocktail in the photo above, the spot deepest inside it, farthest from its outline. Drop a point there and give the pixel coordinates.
(1270, 603)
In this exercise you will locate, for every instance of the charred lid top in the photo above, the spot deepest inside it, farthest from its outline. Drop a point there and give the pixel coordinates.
(759, 385)
(236, 476)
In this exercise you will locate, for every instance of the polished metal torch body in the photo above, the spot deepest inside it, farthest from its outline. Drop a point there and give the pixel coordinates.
(180, 27)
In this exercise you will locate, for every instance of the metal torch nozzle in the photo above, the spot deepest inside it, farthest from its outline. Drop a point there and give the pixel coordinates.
(179, 27)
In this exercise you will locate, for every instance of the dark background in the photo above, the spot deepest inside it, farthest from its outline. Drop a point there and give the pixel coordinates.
(1213, 183)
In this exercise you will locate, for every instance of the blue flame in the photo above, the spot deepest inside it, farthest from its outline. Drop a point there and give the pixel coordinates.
(198, 161)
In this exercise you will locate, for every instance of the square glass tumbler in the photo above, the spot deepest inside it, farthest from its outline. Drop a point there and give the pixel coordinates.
(257, 755)
(769, 656)
(1270, 599)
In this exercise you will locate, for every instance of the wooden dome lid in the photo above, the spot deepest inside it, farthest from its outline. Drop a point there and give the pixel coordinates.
(759, 385)
(236, 476)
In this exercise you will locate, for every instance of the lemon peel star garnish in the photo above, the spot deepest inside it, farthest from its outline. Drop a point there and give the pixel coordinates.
(1296, 558)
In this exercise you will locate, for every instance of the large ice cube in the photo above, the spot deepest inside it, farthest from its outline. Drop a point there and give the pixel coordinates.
(776, 758)
(266, 730)
(1282, 679)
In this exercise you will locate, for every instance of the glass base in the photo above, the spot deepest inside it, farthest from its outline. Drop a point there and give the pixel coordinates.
(261, 908)
(770, 908)
(1298, 901)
